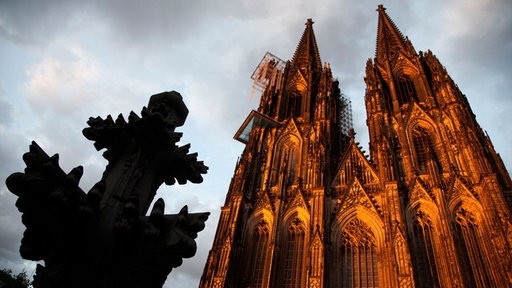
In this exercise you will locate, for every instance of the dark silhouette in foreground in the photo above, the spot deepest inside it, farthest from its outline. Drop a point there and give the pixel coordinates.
(103, 238)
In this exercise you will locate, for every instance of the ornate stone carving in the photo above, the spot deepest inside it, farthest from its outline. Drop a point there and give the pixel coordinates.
(103, 238)
(358, 233)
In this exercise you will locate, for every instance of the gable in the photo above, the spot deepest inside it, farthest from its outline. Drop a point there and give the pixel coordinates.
(297, 201)
(289, 129)
(355, 164)
(404, 65)
(298, 82)
(417, 114)
(418, 192)
(356, 196)
(263, 203)
(460, 192)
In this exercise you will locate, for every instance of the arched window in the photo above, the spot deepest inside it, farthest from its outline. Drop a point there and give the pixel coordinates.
(406, 91)
(292, 256)
(259, 253)
(295, 104)
(402, 255)
(316, 257)
(425, 152)
(423, 247)
(471, 254)
(286, 165)
(388, 102)
(358, 256)
(224, 257)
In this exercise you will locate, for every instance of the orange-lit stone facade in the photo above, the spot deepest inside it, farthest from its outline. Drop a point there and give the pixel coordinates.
(306, 207)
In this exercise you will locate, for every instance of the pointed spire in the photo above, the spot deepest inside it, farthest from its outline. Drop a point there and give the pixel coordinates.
(389, 38)
(306, 55)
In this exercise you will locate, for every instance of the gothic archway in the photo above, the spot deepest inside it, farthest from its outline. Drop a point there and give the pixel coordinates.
(293, 253)
(287, 159)
(357, 243)
(258, 252)
(358, 255)
(472, 246)
(424, 225)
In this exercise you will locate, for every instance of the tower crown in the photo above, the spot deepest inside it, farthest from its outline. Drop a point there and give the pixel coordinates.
(306, 56)
(390, 39)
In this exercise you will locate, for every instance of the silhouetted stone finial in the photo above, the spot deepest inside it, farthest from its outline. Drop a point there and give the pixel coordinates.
(104, 238)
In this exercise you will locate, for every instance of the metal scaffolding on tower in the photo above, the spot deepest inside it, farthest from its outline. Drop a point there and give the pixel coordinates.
(345, 122)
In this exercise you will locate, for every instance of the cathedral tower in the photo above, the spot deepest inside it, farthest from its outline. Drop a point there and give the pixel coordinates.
(438, 167)
(306, 207)
(271, 227)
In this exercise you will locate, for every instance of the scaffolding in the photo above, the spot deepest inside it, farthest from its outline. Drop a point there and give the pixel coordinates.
(345, 120)
(268, 73)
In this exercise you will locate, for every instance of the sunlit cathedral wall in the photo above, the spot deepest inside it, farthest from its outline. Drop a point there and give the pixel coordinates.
(307, 208)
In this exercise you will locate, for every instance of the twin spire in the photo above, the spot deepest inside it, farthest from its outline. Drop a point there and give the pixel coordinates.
(390, 41)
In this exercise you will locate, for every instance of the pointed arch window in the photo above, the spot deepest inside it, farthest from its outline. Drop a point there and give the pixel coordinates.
(425, 152)
(295, 104)
(358, 256)
(423, 247)
(293, 255)
(401, 255)
(259, 253)
(224, 257)
(286, 164)
(292, 102)
(471, 249)
(388, 102)
(316, 258)
(406, 91)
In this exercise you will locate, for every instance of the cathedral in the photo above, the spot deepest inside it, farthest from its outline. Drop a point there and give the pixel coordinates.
(306, 207)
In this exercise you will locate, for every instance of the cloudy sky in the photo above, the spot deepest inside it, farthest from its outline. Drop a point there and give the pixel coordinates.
(63, 61)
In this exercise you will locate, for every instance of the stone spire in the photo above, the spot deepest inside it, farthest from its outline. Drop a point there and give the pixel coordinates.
(390, 40)
(307, 57)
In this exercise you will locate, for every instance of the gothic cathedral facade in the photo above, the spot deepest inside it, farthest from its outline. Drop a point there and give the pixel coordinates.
(306, 207)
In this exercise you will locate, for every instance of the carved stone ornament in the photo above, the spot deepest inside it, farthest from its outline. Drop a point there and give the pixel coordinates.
(103, 238)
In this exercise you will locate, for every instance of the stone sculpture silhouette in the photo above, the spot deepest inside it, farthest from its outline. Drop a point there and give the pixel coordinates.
(103, 238)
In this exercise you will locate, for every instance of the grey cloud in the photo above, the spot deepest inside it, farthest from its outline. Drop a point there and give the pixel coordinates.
(34, 22)
(6, 109)
(10, 219)
(11, 231)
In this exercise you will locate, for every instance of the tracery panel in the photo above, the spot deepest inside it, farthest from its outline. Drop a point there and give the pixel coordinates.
(358, 256)
(259, 254)
(423, 243)
(293, 256)
(406, 90)
(285, 165)
(471, 252)
(425, 153)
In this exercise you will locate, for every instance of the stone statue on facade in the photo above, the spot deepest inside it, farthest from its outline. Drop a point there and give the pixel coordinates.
(103, 238)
